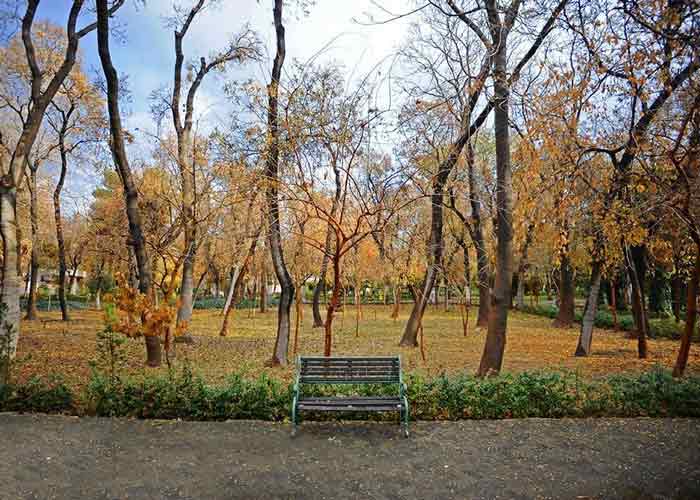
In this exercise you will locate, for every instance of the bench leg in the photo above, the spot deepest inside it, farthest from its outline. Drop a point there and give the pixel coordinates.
(294, 419)
(404, 414)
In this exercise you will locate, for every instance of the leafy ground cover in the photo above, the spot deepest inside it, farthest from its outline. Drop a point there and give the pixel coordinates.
(49, 346)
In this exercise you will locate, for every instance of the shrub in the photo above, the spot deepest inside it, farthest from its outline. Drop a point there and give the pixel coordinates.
(185, 395)
(36, 396)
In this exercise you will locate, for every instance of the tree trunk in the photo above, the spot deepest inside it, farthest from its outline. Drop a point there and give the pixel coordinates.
(320, 283)
(613, 303)
(184, 311)
(641, 320)
(333, 304)
(492, 358)
(589, 311)
(676, 285)
(32, 312)
(397, 302)
(467, 288)
(566, 314)
(12, 281)
(62, 268)
(690, 318)
(435, 250)
(298, 306)
(263, 292)
(230, 299)
(279, 355)
(137, 240)
(636, 255)
(483, 273)
(522, 266)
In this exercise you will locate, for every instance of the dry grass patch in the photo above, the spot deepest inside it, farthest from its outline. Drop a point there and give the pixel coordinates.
(50, 346)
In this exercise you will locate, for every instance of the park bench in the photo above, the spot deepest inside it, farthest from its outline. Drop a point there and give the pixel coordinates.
(355, 371)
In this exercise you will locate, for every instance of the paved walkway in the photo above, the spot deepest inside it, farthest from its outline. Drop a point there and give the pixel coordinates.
(66, 457)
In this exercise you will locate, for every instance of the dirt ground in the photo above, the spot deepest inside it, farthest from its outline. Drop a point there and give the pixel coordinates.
(51, 457)
(51, 346)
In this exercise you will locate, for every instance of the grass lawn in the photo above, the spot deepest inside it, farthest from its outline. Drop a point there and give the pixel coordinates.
(49, 346)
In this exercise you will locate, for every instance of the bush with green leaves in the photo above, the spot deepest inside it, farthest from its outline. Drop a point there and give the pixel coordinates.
(185, 395)
(658, 327)
(50, 396)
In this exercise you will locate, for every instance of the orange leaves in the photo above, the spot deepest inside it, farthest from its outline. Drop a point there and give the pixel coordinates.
(138, 316)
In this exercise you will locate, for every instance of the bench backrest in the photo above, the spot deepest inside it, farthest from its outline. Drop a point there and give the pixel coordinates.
(350, 370)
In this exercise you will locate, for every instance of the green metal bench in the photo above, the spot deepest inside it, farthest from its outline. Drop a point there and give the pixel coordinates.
(350, 370)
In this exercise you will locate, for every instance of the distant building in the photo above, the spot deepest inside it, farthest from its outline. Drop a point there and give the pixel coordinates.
(48, 278)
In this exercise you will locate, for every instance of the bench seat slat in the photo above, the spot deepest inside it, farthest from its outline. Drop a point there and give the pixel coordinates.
(364, 380)
(350, 404)
(350, 373)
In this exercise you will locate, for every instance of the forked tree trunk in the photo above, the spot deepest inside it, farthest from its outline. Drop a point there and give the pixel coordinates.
(32, 312)
(589, 311)
(279, 355)
(137, 240)
(690, 317)
(333, 304)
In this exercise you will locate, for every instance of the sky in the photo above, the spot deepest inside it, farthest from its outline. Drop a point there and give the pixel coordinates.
(146, 51)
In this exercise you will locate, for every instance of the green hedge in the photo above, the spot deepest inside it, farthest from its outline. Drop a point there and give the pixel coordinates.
(36, 395)
(530, 394)
(658, 327)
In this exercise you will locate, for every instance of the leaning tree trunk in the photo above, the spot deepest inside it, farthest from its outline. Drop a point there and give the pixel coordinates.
(483, 273)
(133, 213)
(435, 249)
(690, 317)
(236, 280)
(589, 311)
(62, 268)
(32, 312)
(410, 334)
(492, 358)
(279, 355)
